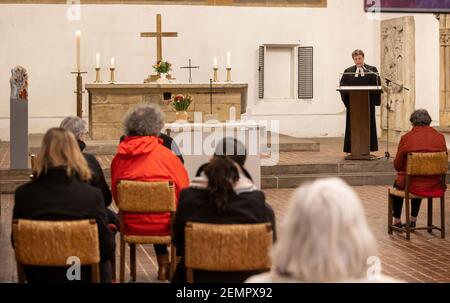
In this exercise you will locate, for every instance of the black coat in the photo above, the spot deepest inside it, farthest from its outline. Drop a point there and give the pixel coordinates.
(195, 205)
(375, 100)
(55, 196)
(98, 178)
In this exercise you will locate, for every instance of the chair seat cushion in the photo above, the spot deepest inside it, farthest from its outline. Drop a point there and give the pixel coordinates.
(147, 239)
(401, 193)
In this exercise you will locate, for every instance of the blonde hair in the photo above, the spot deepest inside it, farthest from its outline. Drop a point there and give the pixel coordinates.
(60, 148)
(325, 237)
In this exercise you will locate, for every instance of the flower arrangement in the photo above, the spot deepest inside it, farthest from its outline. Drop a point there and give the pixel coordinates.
(181, 103)
(162, 67)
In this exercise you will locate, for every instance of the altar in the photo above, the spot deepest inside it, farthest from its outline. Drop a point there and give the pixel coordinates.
(108, 103)
(197, 142)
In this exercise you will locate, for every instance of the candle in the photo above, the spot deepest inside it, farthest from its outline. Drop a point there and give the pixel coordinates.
(228, 60)
(78, 38)
(97, 60)
(112, 62)
(215, 63)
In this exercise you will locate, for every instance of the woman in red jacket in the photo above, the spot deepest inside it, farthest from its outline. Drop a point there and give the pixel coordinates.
(422, 138)
(141, 156)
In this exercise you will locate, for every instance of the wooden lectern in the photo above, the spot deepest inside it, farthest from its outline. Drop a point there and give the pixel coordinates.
(359, 120)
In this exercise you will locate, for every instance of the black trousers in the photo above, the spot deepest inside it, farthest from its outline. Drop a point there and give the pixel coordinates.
(160, 249)
(398, 204)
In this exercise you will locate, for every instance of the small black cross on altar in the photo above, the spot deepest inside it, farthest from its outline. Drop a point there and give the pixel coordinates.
(190, 68)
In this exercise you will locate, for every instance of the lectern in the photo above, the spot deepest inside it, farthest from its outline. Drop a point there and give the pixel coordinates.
(359, 111)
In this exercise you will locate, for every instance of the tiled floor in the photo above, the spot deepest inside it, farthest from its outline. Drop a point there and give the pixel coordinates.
(425, 258)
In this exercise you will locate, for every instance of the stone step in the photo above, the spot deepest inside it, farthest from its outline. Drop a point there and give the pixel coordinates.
(355, 179)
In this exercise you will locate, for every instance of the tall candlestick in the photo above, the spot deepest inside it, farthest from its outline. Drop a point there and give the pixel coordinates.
(78, 38)
(215, 63)
(97, 60)
(112, 62)
(228, 60)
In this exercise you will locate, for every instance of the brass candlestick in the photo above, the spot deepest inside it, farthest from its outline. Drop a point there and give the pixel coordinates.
(79, 92)
(215, 74)
(112, 69)
(228, 74)
(97, 75)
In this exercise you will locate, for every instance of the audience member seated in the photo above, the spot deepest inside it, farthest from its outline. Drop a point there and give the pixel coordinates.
(77, 126)
(221, 194)
(325, 238)
(141, 156)
(167, 142)
(422, 138)
(60, 191)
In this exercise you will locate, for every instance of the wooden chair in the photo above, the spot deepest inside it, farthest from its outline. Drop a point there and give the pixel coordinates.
(420, 164)
(50, 243)
(227, 247)
(144, 197)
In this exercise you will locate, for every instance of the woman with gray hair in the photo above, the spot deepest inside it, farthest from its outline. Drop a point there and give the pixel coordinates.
(78, 127)
(422, 138)
(325, 238)
(142, 156)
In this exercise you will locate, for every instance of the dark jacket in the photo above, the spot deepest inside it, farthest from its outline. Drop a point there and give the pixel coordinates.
(195, 205)
(55, 196)
(370, 79)
(98, 178)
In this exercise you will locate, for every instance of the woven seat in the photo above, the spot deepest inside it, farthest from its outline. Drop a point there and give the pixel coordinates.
(400, 193)
(144, 197)
(421, 164)
(51, 243)
(227, 247)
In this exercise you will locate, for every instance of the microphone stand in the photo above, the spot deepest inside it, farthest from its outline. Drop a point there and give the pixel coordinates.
(387, 155)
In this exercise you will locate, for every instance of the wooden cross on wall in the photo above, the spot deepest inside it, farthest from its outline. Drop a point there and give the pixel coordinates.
(158, 35)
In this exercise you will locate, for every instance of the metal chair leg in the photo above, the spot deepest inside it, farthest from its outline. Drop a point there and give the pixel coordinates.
(122, 259)
(408, 221)
(430, 215)
(133, 262)
(443, 217)
(390, 214)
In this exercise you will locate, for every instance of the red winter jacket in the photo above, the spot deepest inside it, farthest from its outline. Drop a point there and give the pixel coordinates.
(419, 139)
(146, 159)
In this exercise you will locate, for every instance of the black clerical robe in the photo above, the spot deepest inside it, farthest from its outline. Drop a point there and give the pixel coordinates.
(369, 79)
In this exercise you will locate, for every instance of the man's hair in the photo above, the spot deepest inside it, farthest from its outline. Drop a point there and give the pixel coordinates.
(74, 124)
(357, 52)
(420, 117)
(144, 120)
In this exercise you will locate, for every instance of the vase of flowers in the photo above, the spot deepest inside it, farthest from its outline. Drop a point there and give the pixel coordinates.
(180, 104)
(162, 68)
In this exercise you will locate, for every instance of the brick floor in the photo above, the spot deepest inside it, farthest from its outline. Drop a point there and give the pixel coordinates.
(425, 258)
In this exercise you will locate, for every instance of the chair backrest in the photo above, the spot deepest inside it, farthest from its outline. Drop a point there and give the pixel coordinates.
(50, 243)
(228, 247)
(427, 164)
(141, 196)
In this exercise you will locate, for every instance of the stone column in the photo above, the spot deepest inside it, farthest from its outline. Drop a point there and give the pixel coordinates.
(19, 118)
(444, 96)
(397, 64)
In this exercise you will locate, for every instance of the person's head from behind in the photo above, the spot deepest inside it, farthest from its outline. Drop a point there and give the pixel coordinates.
(420, 117)
(60, 148)
(76, 126)
(358, 57)
(222, 171)
(325, 237)
(144, 120)
(232, 148)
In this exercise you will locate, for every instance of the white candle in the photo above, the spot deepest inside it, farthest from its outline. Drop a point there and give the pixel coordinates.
(228, 60)
(78, 37)
(97, 60)
(112, 62)
(215, 63)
